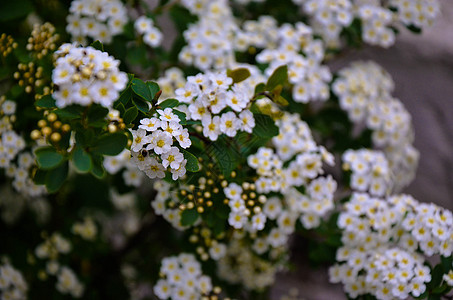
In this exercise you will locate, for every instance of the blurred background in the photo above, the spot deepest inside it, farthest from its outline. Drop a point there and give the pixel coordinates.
(422, 68)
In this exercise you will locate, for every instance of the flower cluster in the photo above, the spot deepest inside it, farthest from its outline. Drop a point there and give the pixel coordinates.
(132, 176)
(240, 265)
(151, 34)
(42, 40)
(12, 283)
(182, 279)
(221, 105)
(97, 19)
(86, 75)
(153, 153)
(86, 229)
(17, 164)
(294, 46)
(380, 239)
(418, 13)
(51, 249)
(364, 91)
(370, 171)
(209, 39)
(378, 18)
(7, 44)
(172, 79)
(245, 207)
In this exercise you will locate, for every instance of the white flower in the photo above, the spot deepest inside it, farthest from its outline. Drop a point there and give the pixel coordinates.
(237, 220)
(211, 127)
(154, 169)
(183, 139)
(152, 37)
(139, 139)
(172, 158)
(229, 123)
(160, 142)
(151, 124)
(143, 24)
(258, 221)
(247, 121)
(181, 171)
(217, 251)
(233, 191)
(168, 115)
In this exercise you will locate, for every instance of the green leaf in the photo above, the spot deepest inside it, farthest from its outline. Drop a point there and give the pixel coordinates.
(192, 162)
(46, 101)
(446, 263)
(48, 158)
(56, 177)
(81, 159)
(97, 45)
(189, 217)
(181, 115)
(279, 77)
(227, 156)
(169, 103)
(261, 87)
(239, 74)
(85, 137)
(154, 88)
(98, 168)
(145, 90)
(264, 126)
(137, 55)
(110, 144)
(436, 278)
(96, 116)
(130, 115)
(141, 105)
(70, 112)
(40, 176)
(222, 211)
(10, 10)
(125, 97)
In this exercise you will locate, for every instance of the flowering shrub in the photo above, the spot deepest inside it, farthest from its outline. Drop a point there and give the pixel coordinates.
(172, 150)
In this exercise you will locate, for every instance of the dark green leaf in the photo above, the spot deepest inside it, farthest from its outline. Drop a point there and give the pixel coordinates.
(189, 217)
(264, 126)
(239, 74)
(130, 115)
(125, 97)
(436, 276)
(81, 159)
(96, 116)
(279, 77)
(98, 168)
(145, 90)
(46, 101)
(48, 158)
(261, 87)
(192, 162)
(141, 105)
(97, 45)
(40, 176)
(10, 10)
(181, 115)
(56, 177)
(70, 112)
(110, 144)
(446, 263)
(153, 87)
(169, 103)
